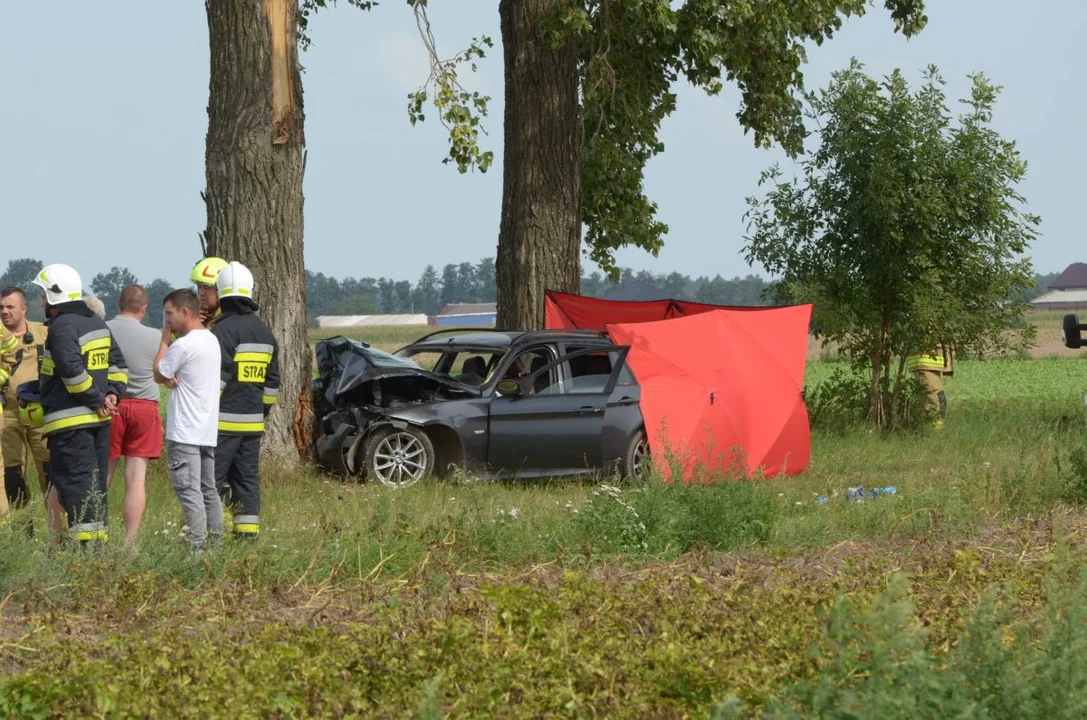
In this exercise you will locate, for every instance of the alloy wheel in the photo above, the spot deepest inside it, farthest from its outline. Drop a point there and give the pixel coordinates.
(399, 460)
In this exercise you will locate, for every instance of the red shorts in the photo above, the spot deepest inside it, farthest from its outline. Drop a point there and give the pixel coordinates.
(136, 430)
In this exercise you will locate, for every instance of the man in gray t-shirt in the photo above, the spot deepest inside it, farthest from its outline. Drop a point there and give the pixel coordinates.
(136, 430)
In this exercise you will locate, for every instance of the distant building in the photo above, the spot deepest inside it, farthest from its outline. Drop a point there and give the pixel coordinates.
(354, 321)
(466, 314)
(1067, 293)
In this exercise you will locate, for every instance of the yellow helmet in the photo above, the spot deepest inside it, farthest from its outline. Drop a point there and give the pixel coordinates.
(32, 414)
(30, 409)
(207, 270)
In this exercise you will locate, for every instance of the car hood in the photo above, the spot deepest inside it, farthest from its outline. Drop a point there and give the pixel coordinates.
(344, 364)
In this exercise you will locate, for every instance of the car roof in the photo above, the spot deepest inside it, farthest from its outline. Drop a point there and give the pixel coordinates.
(496, 339)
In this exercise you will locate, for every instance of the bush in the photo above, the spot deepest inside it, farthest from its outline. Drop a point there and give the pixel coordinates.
(841, 402)
(662, 519)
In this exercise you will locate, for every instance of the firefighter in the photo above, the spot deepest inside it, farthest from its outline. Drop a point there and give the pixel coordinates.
(250, 388)
(204, 274)
(18, 438)
(83, 375)
(930, 370)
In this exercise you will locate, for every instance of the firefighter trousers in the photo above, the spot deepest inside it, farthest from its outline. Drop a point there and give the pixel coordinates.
(78, 467)
(934, 385)
(237, 477)
(15, 439)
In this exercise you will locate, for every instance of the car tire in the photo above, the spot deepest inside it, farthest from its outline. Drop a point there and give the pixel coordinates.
(399, 457)
(636, 462)
(352, 457)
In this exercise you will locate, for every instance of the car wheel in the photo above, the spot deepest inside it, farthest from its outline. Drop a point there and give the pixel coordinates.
(399, 457)
(636, 462)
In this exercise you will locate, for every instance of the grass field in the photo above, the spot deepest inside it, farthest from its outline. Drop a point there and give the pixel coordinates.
(961, 594)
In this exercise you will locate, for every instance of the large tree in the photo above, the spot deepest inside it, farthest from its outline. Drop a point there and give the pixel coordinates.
(20, 272)
(254, 166)
(588, 83)
(108, 286)
(539, 236)
(906, 229)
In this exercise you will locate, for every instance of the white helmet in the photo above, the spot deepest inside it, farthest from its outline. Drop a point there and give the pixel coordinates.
(61, 283)
(235, 280)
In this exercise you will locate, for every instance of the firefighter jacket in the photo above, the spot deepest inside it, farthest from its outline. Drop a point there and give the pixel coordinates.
(81, 364)
(9, 345)
(940, 361)
(210, 322)
(27, 362)
(249, 382)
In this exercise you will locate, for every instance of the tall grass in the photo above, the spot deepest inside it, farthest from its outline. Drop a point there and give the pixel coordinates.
(596, 597)
(993, 461)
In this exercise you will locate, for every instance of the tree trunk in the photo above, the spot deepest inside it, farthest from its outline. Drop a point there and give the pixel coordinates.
(539, 240)
(254, 181)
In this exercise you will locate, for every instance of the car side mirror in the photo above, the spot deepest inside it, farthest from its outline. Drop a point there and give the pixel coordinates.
(1071, 332)
(510, 387)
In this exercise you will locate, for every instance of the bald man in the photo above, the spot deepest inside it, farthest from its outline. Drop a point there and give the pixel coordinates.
(136, 432)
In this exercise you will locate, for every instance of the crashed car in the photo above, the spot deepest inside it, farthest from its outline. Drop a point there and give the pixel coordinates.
(491, 403)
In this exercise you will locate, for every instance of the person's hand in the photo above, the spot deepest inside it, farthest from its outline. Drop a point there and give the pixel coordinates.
(109, 407)
(166, 334)
(203, 316)
(171, 383)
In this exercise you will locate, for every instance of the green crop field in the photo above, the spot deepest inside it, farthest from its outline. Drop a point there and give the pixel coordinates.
(962, 594)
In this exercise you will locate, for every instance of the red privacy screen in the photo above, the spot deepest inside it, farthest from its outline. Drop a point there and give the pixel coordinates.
(721, 386)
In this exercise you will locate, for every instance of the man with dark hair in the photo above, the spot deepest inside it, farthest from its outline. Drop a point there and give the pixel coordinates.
(17, 439)
(189, 366)
(136, 433)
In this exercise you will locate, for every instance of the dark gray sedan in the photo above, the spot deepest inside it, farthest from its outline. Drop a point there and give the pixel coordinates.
(494, 404)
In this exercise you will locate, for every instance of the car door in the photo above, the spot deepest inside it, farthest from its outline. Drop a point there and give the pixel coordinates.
(553, 427)
(622, 414)
(622, 417)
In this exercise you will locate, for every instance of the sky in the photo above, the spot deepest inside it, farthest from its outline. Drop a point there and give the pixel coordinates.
(105, 116)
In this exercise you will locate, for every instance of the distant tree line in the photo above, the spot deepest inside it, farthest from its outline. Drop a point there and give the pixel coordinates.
(468, 283)
(106, 286)
(460, 283)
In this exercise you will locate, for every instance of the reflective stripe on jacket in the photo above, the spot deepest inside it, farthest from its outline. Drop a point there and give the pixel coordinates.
(9, 344)
(249, 381)
(81, 364)
(938, 362)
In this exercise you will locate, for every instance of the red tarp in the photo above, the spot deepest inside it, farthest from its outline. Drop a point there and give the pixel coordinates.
(565, 311)
(721, 387)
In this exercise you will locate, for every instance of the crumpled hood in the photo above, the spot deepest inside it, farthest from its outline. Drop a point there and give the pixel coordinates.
(344, 364)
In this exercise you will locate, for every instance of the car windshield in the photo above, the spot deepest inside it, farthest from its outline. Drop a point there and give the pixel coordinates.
(382, 359)
(468, 365)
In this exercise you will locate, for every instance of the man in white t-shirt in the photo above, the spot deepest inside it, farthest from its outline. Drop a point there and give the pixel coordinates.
(190, 368)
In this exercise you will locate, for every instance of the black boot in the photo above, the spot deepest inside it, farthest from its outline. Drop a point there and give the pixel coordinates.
(15, 487)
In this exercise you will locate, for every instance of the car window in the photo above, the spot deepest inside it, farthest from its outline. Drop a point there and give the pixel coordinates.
(588, 373)
(596, 364)
(529, 361)
(468, 366)
(427, 360)
(473, 367)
